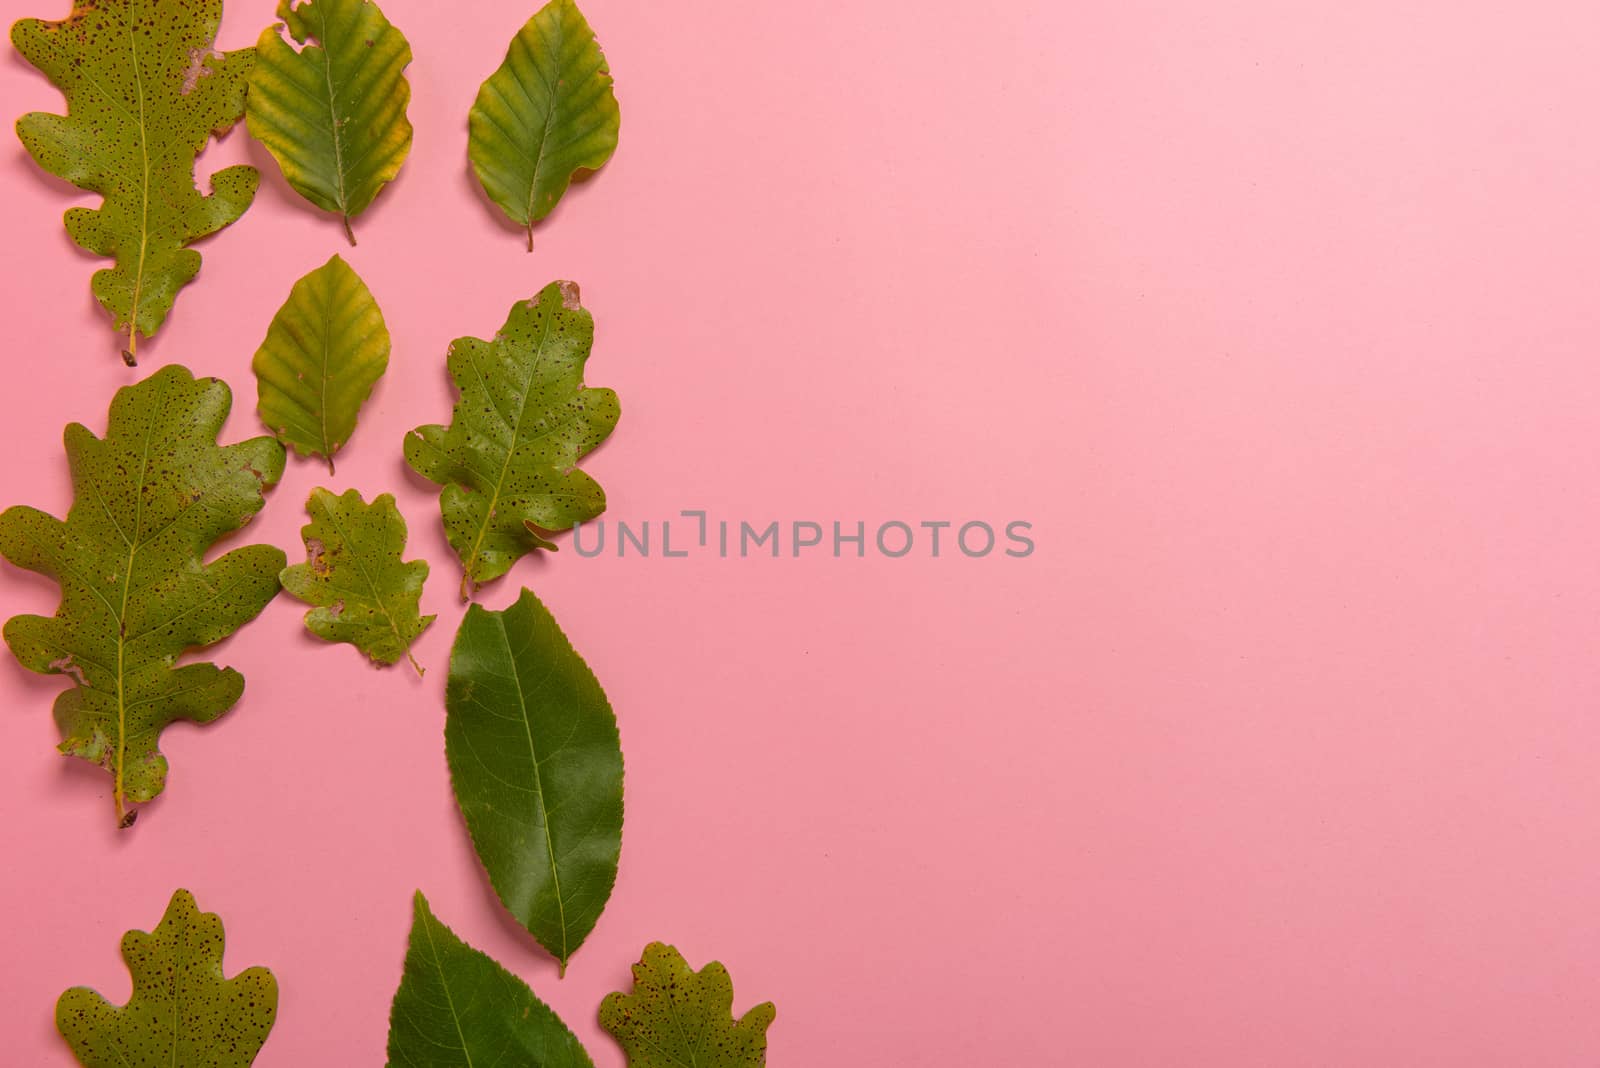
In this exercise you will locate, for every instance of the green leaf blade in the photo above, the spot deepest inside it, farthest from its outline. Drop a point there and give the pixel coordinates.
(508, 460)
(324, 351)
(546, 113)
(456, 1006)
(536, 765)
(364, 592)
(333, 113)
(146, 90)
(676, 1016)
(177, 975)
(149, 499)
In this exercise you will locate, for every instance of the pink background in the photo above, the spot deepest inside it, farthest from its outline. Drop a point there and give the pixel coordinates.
(1279, 323)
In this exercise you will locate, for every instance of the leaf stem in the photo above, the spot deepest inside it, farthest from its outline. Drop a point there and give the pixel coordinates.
(530, 235)
(349, 233)
(130, 355)
(420, 672)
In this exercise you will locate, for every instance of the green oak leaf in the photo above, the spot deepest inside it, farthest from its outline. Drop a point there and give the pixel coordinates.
(457, 1006)
(508, 459)
(545, 114)
(324, 351)
(149, 499)
(537, 769)
(333, 114)
(364, 592)
(182, 1011)
(677, 1016)
(145, 91)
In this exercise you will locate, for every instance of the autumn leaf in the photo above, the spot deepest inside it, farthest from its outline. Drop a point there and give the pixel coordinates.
(677, 1016)
(324, 350)
(333, 113)
(364, 592)
(545, 114)
(182, 1011)
(149, 499)
(145, 91)
(457, 1006)
(537, 770)
(508, 459)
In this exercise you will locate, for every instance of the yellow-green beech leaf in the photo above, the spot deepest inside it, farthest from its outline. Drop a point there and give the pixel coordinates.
(364, 593)
(324, 351)
(536, 766)
(182, 1011)
(149, 500)
(145, 91)
(333, 113)
(677, 1016)
(546, 114)
(456, 1007)
(508, 459)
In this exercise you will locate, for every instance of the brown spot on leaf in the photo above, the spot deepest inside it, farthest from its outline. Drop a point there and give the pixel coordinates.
(67, 666)
(316, 556)
(569, 296)
(197, 67)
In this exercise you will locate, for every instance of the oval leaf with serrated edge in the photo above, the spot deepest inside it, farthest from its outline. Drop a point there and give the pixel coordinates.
(324, 351)
(508, 459)
(537, 770)
(364, 592)
(457, 1006)
(546, 113)
(149, 500)
(177, 977)
(333, 113)
(677, 1016)
(145, 91)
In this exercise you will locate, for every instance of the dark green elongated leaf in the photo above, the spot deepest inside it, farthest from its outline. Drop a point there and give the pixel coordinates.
(537, 769)
(145, 91)
(508, 459)
(333, 113)
(545, 114)
(364, 592)
(457, 1006)
(182, 1012)
(677, 1016)
(148, 500)
(324, 351)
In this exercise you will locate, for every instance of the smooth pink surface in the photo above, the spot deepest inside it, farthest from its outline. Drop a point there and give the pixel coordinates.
(1278, 321)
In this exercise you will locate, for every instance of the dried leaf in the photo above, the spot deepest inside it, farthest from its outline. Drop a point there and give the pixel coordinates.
(457, 1006)
(677, 1016)
(545, 114)
(182, 1011)
(149, 499)
(325, 349)
(333, 113)
(145, 91)
(537, 769)
(365, 593)
(508, 459)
